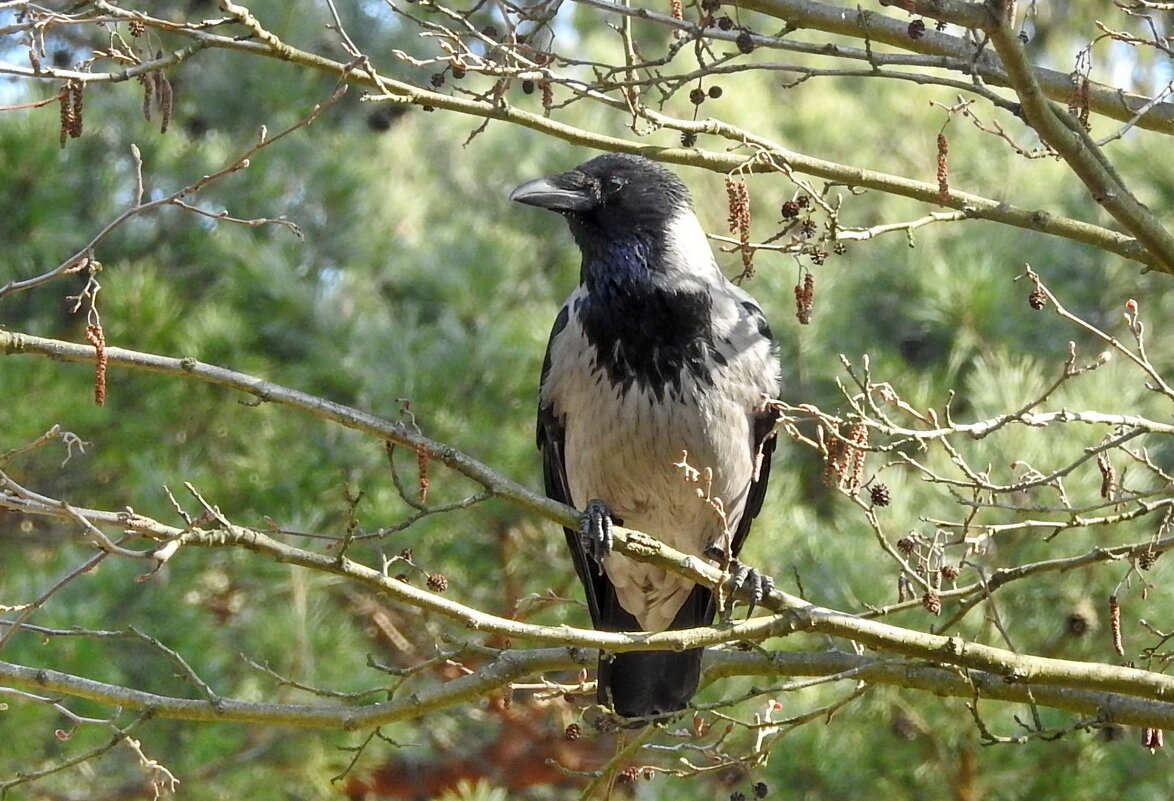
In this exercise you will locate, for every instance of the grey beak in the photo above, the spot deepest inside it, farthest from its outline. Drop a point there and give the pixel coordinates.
(567, 191)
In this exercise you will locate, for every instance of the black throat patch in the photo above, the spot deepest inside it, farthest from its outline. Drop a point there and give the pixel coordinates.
(648, 336)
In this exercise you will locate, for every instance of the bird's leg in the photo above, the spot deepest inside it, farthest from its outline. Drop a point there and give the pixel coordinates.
(595, 530)
(758, 585)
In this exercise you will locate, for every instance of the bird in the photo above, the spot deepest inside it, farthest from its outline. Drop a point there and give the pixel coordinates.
(655, 361)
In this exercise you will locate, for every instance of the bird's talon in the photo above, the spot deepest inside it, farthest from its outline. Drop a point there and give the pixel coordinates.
(758, 584)
(768, 586)
(595, 531)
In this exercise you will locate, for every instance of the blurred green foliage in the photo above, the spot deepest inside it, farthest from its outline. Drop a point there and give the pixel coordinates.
(416, 281)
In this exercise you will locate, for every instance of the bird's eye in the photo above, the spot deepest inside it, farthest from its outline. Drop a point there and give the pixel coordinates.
(613, 184)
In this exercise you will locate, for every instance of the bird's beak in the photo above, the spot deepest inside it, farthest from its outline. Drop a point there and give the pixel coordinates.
(567, 191)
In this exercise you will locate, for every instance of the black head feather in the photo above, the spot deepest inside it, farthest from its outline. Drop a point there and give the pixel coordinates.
(612, 197)
(648, 327)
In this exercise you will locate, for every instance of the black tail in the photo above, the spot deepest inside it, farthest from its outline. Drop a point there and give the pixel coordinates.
(652, 684)
(649, 684)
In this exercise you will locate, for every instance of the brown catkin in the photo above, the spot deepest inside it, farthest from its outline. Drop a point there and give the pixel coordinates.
(804, 298)
(147, 81)
(858, 437)
(833, 460)
(1115, 624)
(844, 464)
(75, 99)
(422, 472)
(678, 11)
(738, 197)
(943, 169)
(1084, 87)
(163, 98)
(739, 204)
(1108, 476)
(97, 337)
(66, 104)
(1078, 105)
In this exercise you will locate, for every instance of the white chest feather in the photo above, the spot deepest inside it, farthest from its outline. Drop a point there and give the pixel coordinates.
(624, 446)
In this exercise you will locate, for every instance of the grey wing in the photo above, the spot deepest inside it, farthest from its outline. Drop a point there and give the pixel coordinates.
(764, 442)
(764, 446)
(551, 439)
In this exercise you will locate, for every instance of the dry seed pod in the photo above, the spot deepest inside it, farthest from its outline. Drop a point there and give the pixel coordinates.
(1115, 624)
(97, 337)
(804, 298)
(943, 169)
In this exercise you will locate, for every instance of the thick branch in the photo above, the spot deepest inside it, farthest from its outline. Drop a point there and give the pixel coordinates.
(512, 666)
(859, 23)
(1064, 134)
(12, 343)
(509, 666)
(943, 681)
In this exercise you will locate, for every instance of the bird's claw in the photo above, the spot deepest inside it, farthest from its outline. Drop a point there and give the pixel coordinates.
(595, 530)
(756, 584)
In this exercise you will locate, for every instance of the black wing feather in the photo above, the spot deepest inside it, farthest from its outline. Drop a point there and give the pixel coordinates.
(554, 472)
(764, 443)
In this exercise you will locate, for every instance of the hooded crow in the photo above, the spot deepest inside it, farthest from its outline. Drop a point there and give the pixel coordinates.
(655, 355)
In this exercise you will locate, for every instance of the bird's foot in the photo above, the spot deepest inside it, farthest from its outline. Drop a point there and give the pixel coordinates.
(757, 584)
(750, 580)
(595, 530)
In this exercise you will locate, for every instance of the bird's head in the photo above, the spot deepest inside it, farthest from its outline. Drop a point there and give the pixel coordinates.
(611, 197)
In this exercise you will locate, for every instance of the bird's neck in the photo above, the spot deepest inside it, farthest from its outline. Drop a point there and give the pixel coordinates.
(645, 329)
(613, 264)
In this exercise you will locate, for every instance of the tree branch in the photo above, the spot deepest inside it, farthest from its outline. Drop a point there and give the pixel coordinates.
(512, 666)
(768, 157)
